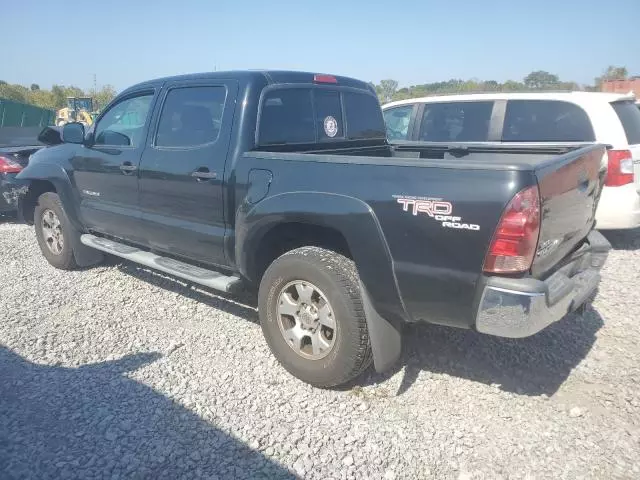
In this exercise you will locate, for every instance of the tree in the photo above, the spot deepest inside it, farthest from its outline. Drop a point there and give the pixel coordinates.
(611, 73)
(103, 96)
(512, 86)
(59, 97)
(491, 85)
(615, 73)
(387, 89)
(34, 87)
(541, 80)
(2, 82)
(17, 93)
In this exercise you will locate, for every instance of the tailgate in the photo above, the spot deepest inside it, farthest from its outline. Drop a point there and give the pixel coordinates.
(570, 187)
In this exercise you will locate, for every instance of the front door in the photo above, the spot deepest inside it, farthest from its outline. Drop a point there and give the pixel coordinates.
(105, 171)
(182, 170)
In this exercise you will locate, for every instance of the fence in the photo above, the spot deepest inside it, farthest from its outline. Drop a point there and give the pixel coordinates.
(16, 114)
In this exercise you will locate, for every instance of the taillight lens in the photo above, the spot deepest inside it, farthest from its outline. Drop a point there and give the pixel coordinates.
(620, 168)
(9, 166)
(514, 242)
(322, 78)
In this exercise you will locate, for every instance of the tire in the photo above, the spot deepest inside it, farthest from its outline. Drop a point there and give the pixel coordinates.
(336, 282)
(58, 249)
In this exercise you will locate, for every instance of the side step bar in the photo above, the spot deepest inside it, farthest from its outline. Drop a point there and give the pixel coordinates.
(208, 278)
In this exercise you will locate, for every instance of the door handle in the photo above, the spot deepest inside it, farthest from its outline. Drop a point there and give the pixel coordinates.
(128, 167)
(204, 174)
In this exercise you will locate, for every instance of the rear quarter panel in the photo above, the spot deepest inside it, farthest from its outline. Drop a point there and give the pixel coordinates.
(435, 268)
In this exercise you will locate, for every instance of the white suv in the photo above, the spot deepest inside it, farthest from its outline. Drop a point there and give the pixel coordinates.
(535, 118)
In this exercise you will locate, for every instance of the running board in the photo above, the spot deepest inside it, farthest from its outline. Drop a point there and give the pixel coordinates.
(208, 278)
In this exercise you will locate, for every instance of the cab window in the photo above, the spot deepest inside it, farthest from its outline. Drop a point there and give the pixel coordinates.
(191, 116)
(123, 124)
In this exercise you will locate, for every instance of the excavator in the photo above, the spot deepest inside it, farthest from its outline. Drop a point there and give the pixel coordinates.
(78, 109)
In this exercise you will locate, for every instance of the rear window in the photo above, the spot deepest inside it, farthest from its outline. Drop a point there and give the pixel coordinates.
(629, 116)
(310, 115)
(364, 118)
(546, 121)
(456, 122)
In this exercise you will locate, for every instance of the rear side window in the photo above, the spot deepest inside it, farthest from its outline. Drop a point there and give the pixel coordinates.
(456, 122)
(546, 121)
(629, 115)
(306, 115)
(191, 116)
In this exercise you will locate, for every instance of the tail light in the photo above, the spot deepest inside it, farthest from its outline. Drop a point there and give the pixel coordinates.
(620, 168)
(515, 240)
(9, 166)
(320, 78)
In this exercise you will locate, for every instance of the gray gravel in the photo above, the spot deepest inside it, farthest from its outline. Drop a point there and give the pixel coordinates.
(118, 372)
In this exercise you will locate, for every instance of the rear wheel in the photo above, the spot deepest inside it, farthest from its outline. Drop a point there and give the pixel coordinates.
(54, 231)
(313, 318)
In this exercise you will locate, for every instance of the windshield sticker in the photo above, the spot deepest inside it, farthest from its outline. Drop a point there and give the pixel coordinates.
(436, 208)
(330, 126)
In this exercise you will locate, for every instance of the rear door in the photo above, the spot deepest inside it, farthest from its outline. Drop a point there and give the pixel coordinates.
(182, 170)
(629, 116)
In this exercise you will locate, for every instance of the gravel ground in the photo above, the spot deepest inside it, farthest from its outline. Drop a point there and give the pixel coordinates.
(118, 372)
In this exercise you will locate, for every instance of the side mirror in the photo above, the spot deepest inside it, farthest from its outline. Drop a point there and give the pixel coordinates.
(73, 133)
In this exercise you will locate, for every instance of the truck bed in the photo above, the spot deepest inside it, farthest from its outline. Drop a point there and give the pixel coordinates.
(438, 269)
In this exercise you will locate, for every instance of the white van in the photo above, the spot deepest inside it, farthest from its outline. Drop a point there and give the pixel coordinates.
(570, 117)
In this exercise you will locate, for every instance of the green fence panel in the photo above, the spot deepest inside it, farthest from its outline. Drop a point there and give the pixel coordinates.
(16, 114)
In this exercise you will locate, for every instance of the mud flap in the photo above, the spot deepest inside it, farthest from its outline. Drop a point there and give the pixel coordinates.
(84, 256)
(386, 339)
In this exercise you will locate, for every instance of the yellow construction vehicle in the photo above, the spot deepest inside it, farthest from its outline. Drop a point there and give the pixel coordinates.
(78, 109)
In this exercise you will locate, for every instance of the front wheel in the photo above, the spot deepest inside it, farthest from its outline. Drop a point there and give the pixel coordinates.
(54, 231)
(313, 318)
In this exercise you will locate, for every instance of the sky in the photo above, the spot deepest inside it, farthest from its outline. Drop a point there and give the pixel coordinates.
(125, 42)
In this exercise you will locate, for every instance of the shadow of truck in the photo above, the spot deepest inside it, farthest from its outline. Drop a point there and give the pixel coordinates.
(94, 422)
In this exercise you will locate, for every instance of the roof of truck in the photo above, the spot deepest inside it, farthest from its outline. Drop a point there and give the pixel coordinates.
(573, 97)
(270, 76)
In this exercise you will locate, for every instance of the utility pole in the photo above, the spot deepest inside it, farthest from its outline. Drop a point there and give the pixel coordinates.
(95, 83)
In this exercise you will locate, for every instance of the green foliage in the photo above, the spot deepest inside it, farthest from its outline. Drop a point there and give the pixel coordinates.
(612, 73)
(103, 96)
(387, 89)
(56, 97)
(539, 80)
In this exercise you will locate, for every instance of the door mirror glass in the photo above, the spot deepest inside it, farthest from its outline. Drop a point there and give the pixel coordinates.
(73, 133)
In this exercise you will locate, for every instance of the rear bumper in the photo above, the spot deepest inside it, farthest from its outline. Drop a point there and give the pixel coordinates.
(517, 308)
(619, 208)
